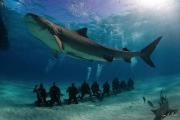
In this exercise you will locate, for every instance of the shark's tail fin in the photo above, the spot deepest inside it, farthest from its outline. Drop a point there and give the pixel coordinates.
(147, 51)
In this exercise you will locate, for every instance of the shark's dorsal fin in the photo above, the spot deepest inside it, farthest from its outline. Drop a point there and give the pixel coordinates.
(82, 31)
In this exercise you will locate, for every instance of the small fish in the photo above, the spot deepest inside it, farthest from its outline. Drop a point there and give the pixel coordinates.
(150, 103)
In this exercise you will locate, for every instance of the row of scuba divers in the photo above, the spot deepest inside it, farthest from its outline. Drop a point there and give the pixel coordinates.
(76, 95)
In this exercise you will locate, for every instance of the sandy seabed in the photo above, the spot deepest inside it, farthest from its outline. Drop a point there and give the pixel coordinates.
(125, 106)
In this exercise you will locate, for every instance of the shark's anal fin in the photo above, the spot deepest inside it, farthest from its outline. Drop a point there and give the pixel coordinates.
(108, 58)
(58, 42)
(82, 31)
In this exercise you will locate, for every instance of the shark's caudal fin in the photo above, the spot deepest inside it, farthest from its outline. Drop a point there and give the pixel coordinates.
(147, 51)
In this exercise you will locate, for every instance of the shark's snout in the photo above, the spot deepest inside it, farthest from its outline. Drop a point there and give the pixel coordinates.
(42, 29)
(35, 21)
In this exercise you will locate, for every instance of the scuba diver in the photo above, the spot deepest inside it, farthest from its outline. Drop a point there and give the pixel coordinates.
(106, 88)
(55, 94)
(85, 89)
(73, 91)
(130, 84)
(95, 89)
(41, 95)
(115, 86)
(123, 85)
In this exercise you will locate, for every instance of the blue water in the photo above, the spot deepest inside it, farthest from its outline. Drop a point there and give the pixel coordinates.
(113, 23)
(131, 28)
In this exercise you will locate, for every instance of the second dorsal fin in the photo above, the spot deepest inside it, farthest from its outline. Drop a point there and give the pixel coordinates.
(128, 60)
(82, 31)
(125, 49)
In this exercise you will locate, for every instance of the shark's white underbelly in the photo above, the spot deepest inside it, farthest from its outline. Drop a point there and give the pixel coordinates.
(80, 54)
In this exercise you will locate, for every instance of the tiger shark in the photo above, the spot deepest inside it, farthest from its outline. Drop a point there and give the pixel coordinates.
(77, 44)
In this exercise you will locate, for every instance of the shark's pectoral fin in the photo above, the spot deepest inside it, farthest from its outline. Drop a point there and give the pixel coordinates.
(82, 31)
(55, 52)
(59, 42)
(108, 58)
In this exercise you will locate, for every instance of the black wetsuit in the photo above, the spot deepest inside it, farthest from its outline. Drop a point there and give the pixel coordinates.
(95, 89)
(85, 89)
(106, 89)
(115, 86)
(41, 96)
(55, 93)
(130, 84)
(73, 91)
(123, 85)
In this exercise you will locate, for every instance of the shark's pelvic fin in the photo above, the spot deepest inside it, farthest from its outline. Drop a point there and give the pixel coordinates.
(147, 51)
(82, 31)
